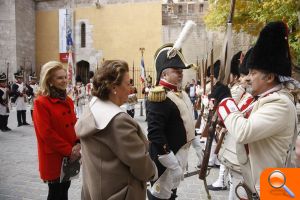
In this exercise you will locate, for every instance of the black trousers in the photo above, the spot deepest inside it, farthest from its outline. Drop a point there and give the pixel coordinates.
(21, 117)
(58, 191)
(3, 121)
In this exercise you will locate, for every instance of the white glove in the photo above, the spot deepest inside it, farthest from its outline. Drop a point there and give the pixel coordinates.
(171, 162)
(204, 100)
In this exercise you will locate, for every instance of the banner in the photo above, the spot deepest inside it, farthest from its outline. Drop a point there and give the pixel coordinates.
(65, 33)
(142, 66)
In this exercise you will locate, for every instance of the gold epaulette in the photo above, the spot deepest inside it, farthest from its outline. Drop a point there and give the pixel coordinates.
(157, 94)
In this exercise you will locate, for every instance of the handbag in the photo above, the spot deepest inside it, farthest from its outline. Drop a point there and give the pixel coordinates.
(69, 170)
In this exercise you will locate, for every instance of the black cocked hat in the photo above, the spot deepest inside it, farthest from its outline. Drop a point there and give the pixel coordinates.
(163, 61)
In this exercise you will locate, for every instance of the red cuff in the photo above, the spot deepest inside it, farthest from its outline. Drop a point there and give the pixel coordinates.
(226, 107)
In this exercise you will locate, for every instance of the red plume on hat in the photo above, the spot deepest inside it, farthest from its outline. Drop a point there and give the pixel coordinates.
(271, 51)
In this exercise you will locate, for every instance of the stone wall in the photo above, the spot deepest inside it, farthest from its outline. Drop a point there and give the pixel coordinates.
(17, 30)
(8, 36)
(88, 53)
(25, 35)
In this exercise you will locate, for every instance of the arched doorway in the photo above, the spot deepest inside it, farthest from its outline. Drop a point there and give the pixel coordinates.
(82, 69)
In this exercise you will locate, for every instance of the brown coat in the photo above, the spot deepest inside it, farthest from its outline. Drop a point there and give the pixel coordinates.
(116, 164)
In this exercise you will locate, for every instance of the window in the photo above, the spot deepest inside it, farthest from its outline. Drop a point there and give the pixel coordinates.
(191, 8)
(201, 7)
(179, 9)
(82, 29)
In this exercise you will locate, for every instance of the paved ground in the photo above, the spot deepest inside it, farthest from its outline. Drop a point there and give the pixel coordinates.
(19, 177)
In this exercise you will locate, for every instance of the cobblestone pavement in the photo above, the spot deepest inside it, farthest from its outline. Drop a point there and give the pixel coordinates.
(19, 176)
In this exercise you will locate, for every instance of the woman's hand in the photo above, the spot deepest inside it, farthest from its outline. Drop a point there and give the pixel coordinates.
(75, 154)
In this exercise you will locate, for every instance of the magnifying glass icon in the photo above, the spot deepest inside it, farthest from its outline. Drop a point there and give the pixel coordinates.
(277, 180)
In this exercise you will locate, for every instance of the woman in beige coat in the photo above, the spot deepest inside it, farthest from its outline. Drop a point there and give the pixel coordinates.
(116, 164)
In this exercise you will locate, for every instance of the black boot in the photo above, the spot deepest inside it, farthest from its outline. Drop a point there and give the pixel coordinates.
(2, 122)
(5, 123)
(19, 116)
(31, 112)
(151, 197)
(24, 117)
(5, 117)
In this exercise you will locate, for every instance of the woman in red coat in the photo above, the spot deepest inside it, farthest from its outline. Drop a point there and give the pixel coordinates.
(54, 121)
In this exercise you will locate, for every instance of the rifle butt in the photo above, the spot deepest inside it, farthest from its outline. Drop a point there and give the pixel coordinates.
(220, 142)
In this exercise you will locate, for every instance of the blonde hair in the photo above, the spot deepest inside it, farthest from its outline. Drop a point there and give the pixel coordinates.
(45, 76)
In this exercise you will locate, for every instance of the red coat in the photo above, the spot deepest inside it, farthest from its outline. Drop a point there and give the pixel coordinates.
(54, 121)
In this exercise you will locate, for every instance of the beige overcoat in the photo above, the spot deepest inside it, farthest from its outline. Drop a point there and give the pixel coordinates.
(115, 160)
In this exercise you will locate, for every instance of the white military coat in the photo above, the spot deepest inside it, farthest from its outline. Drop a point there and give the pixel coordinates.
(268, 131)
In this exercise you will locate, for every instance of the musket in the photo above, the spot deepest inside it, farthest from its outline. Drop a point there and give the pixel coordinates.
(205, 131)
(203, 82)
(224, 74)
(210, 132)
(212, 119)
(7, 93)
(223, 131)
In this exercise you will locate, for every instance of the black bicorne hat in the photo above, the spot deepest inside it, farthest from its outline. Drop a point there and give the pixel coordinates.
(162, 61)
(19, 74)
(78, 78)
(216, 69)
(271, 51)
(33, 76)
(235, 62)
(3, 77)
(243, 66)
(91, 74)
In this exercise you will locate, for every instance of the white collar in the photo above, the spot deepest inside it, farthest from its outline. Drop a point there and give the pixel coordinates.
(274, 89)
(103, 111)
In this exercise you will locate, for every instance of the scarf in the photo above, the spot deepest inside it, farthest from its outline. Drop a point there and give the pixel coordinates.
(58, 93)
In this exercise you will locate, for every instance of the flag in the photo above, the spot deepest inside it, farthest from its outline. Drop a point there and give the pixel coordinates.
(142, 70)
(71, 70)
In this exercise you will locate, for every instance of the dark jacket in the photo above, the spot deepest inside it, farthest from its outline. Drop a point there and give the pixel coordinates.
(166, 131)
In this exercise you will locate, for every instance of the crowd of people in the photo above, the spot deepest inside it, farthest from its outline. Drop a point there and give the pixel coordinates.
(117, 159)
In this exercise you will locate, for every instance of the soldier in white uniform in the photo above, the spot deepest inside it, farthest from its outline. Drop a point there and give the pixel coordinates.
(32, 91)
(20, 98)
(89, 86)
(4, 100)
(237, 92)
(79, 96)
(270, 131)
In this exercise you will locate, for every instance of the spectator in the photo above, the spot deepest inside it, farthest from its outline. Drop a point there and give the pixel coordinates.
(116, 164)
(54, 121)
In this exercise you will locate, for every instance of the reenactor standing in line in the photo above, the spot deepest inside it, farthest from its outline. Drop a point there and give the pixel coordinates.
(4, 101)
(227, 154)
(270, 131)
(237, 92)
(32, 91)
(89, 86)
(19, 97)
(79, 96)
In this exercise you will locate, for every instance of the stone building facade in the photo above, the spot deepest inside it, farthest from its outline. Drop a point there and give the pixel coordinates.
(30, 32)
